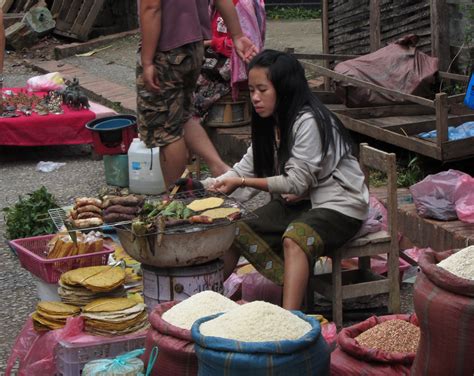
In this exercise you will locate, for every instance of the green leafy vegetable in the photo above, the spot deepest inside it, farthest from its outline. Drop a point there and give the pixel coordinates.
(29, 216)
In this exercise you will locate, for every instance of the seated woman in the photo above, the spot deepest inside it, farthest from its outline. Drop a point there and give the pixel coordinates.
(302, 155)
(222, 69)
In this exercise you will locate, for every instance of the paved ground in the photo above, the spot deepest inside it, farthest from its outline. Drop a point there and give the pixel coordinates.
(81, 175)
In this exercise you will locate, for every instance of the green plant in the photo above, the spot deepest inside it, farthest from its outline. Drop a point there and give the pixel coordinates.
(377, 178)
(29, 216)
(410, 174)
(287, 13)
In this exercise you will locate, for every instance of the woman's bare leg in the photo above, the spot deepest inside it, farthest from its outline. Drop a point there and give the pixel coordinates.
(296, 275)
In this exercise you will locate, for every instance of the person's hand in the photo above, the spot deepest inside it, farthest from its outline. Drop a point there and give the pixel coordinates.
(149, 78)
(245, 48)
(226, 186)
(207, 43)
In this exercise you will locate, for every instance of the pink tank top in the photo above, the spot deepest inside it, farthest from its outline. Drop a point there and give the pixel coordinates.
(183, 22)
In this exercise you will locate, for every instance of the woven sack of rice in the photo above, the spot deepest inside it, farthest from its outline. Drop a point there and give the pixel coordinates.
(173, 337)
(259, 339)
(443, 302)
(379, 346)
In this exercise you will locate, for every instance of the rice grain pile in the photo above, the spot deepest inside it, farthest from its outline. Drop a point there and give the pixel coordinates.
(256, 322)
(461, 263)
(184, 314)
(391, 336)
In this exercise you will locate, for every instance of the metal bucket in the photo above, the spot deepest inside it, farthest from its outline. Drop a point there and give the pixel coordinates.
(183, 249)
(165, 284)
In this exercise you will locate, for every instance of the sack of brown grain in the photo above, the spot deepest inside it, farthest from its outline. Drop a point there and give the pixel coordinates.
(378, 346)
(444, 305)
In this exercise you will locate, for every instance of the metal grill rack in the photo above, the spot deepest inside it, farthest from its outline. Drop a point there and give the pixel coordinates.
(59, 217)
(187, 198)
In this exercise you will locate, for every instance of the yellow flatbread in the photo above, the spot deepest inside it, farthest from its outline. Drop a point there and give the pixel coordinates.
(205, 203)
(220, 212)
(57, 308)
(109, 305)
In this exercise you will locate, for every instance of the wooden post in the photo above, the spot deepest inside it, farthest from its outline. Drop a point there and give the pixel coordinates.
(325, 30)
(441, 110)
(440, 33)
(374, 25)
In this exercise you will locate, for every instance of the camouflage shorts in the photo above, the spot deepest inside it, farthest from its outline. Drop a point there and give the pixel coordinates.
(161, 116)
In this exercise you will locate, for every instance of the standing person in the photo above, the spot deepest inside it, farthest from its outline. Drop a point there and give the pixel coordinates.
(216, 78)
(301, 154)
(170, 59)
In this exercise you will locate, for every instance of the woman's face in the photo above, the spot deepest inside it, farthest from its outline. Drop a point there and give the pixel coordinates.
(262, 92)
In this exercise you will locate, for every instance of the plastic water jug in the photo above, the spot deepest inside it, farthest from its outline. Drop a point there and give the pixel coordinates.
(144, 169)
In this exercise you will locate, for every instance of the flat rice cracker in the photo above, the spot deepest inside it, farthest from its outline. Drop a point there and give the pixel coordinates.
(128, 313)
(131, 329)
(47, 323)
(57, 308)
(53, 317)
(220, 212)
(109, 305)
(75, 277)
(105, 281)
(121, 325)
(205, 203)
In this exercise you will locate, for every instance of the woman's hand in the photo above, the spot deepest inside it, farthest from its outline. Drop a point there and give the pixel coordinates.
(226, 186)
(207, 43)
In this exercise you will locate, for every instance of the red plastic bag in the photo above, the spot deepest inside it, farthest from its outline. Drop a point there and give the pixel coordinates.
(399, 66)
(434, 196)
(35, 351)
(464, 196)
(256, 287)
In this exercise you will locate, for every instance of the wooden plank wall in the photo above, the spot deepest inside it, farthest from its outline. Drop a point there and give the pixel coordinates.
(349, 24)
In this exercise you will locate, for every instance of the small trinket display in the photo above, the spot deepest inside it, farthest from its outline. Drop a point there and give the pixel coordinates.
(24, 103)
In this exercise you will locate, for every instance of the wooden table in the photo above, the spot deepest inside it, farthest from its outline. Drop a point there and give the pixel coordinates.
(424, 232)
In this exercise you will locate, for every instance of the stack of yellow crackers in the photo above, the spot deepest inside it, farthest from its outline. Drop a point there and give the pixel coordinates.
(114, 316)
(52, 315)
(84, 285)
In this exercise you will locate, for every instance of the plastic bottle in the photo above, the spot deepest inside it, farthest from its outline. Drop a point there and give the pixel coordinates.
(144, 169)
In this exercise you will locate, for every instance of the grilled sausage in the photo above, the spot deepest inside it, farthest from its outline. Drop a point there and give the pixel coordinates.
(118, 217)
(82, 201)
(89, 222)
(121, 209)
(129, 200)
(89, 208)
(85, 215)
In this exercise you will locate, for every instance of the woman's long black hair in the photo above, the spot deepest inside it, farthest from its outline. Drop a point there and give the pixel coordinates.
(293, 95)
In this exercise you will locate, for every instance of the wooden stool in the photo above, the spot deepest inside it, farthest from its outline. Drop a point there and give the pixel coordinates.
(339, 285)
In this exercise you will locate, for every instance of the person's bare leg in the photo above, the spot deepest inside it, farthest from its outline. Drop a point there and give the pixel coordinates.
(198, 142)
(296, 275)
(231, 258)
(173, 159)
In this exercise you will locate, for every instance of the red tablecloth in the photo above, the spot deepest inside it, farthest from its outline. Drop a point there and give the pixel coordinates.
(36, 130)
